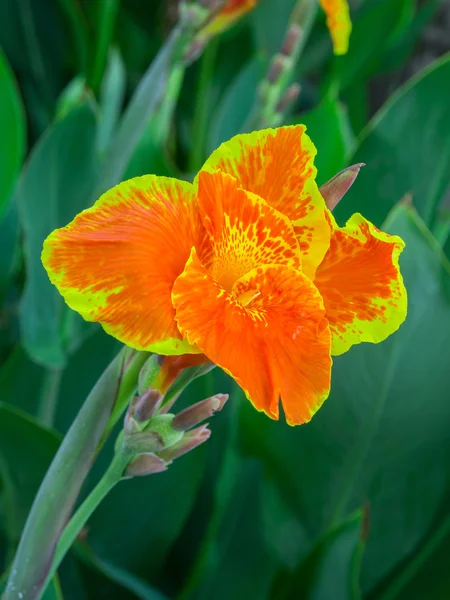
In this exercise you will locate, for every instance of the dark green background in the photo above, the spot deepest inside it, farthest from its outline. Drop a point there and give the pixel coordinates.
(354, 504)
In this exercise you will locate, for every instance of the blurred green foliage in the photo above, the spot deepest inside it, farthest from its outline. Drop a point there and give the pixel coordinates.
(353, 505)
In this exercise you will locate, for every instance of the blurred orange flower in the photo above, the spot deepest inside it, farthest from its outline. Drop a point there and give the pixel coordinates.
(246, 266)
(338, 22)
(226, 17)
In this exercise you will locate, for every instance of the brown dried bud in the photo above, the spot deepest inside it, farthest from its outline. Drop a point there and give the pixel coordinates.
(335, 189)
(195, 414)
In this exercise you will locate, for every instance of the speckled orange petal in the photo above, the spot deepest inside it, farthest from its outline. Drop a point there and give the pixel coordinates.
(117, 261)
(339, 23)
(361, 285)
(278, 165)
(275, 343)
(245, 232)
(225, 18)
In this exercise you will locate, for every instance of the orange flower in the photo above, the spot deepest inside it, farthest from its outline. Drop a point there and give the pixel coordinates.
(338, 22)
(246, 266)
(232, 11)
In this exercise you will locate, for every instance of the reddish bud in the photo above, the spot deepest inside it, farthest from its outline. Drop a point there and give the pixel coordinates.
(335, 189)
(276, 69)
(291, 40)
(288, 98)
(147, 404)
(191, 416)
(145, 464)
(190, 440)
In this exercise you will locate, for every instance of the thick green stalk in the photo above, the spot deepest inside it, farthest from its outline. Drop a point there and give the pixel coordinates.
(81, 516)
(48, 400)
(60, 488)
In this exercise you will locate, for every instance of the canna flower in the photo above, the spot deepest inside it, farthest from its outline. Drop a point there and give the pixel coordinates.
(338, 23)
(246, 266)
(231, 12)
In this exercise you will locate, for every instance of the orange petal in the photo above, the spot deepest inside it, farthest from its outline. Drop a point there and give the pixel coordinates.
(117, 261)
(338, 23)
(225, 18)
(278, 165)
(361, 284)
(245, 232)
(277, 344)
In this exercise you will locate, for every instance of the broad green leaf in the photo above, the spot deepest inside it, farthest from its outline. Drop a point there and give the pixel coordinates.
(425, 574)
(406, 147)
(329, 129)
(9, 237)
(112, 94)
(331, 568)
(26, 450)
(20, 381)
(382, 435)
(13, 138)
(56, 184)
(236, 103)
(374, 28)
(139, 588)
(237, 565)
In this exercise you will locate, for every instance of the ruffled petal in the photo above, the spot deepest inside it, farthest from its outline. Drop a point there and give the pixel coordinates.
(338, 23)
(117, 261)
(274, 343)
(361, 285)
(278, 166)
(244, 231)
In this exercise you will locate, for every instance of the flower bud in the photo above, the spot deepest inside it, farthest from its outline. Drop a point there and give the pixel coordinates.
(191, 416)
(291, 40)
(146, 464)
(336, 188)
(146, 405)
(156, 436)
(288, 98)
(190, 440)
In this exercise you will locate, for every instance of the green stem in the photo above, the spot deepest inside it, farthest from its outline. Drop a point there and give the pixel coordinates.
(112, 476)
(60, 487)
(200, 128)
(49, 396)
(162, 119)
(417, 562)
(264, 113)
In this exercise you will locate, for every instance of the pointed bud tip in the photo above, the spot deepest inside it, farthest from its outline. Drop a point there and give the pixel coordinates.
(335, 189)
(191, 440)
(198, 412)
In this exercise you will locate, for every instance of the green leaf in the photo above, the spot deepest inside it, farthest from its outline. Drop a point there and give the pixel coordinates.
(26, 451)
(237, 550)
(331, 568)
(269, 24)
(112, 94)
(126, 580)
(9, 237)
(12, 126)
(57, 183)
(406, 147)
(381, 437)
(20, 381)
(236, 103)
(328, 128)
(374, 28)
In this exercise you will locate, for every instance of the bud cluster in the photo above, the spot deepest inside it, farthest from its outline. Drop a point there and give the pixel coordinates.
(155, 437)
